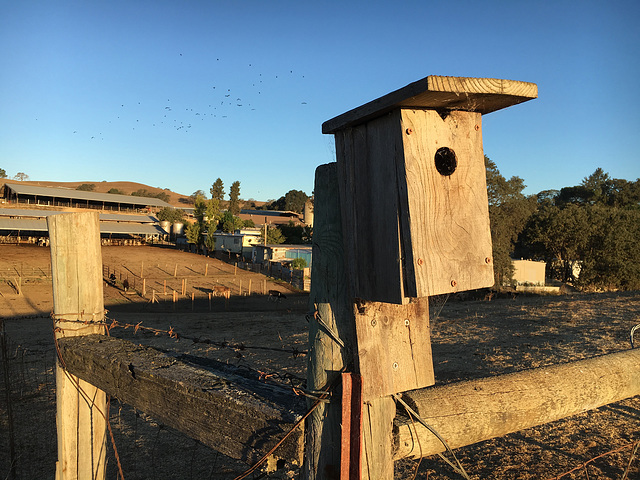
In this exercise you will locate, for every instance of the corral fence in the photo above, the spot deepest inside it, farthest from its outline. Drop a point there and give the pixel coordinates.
(186, 285)
(298, 278)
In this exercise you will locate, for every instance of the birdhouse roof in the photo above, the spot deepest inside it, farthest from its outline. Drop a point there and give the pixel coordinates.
(484, 95)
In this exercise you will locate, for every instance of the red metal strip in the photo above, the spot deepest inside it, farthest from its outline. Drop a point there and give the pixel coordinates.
(345, 444)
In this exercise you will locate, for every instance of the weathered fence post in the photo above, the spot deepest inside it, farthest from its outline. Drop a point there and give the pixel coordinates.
(76, 265)
(331, 329)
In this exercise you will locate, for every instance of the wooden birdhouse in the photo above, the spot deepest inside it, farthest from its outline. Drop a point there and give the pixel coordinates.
(413, 187)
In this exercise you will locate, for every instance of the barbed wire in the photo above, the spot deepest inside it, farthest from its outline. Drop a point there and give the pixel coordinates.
(633, 445)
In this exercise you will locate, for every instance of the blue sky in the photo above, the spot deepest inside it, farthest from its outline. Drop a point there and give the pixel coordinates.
(176, 94)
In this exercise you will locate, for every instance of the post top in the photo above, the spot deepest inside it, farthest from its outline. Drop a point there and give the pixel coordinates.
(484, 95)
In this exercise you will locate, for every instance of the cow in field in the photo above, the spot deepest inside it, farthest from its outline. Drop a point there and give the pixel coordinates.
(222, 291)
(276, 296)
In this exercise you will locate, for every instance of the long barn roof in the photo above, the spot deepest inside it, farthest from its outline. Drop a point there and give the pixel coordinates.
(56, 192)
(40, 225)
(110, 217)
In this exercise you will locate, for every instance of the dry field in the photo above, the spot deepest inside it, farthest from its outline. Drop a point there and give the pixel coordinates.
(471, 339)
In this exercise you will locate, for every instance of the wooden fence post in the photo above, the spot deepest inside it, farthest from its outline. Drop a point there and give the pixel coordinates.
(331, 325)
(76, 265)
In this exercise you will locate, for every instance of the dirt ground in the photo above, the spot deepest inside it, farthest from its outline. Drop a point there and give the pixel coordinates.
(470, 339)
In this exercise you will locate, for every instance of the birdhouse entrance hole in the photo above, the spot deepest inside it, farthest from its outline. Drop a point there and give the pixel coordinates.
(446, 161)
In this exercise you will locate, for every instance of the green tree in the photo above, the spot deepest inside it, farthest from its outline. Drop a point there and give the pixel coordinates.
(21, 176)
(192, 198)
(143, 192)
(611, 259)
(217, 190)
(298, 263)
(230, 223)
(3, 173)
(509, 210)
(559, 236)
(600, 189)
(292, 201)
(248, 223)
(116, 191)
(193, 233)
(210, 240)
(234, 198)
(86, 187)
(274, 236)
(296, 234)
(591, 229)
(200, 209)
(173, 215)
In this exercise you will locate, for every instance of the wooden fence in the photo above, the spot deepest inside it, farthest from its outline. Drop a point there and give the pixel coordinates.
(300, 279)
(244, 417)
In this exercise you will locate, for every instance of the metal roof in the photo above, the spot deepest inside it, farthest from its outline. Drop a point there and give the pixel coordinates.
(40, 225)
(270, 213)
(113, 217)
(56, 192)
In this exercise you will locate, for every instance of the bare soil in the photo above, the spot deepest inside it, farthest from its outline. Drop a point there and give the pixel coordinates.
(470, 339)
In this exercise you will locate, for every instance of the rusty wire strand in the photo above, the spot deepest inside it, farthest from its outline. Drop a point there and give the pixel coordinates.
(327, 391)
(591, 460)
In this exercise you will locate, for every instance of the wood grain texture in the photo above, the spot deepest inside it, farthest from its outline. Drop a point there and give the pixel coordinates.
(444, 218)
(483, 95)
(377, 437)
(394, 347)
(331, 303)
(469, 412)
(76, 266)
(235, 415)
(367, 157)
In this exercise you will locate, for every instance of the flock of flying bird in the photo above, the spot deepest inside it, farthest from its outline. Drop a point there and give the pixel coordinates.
(217, 103)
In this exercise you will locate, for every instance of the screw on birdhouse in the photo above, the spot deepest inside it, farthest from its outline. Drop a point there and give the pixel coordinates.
(420, 261)
(453, 283)
(374, 322)
(406, 322)
(409, 131)
(477, 127)
(395, 365)
(487, 260)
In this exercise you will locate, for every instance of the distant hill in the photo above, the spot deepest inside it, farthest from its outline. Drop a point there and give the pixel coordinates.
(127, 188)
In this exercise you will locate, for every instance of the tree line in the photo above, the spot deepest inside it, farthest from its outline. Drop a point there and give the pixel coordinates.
(587, 234)
(214, 214)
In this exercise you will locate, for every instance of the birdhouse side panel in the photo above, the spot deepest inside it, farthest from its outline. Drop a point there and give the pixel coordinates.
(445, 219)
(369, 205)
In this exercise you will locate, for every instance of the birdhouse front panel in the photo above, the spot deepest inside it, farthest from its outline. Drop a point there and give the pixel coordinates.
(444, 215)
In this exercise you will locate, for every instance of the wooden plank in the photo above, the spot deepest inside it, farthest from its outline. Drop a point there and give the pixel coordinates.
(238, 416)
(76, 266)
(394, 347)
(444, 218)
(483, 95)
(332, 322)
(377, 437)
(367, 157)
(469, 412)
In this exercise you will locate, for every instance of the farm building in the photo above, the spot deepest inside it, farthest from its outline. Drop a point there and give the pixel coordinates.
(529, 272)
(18, 225)
(241, 242)
(37, 196)
(271, 217)
(280, 253)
